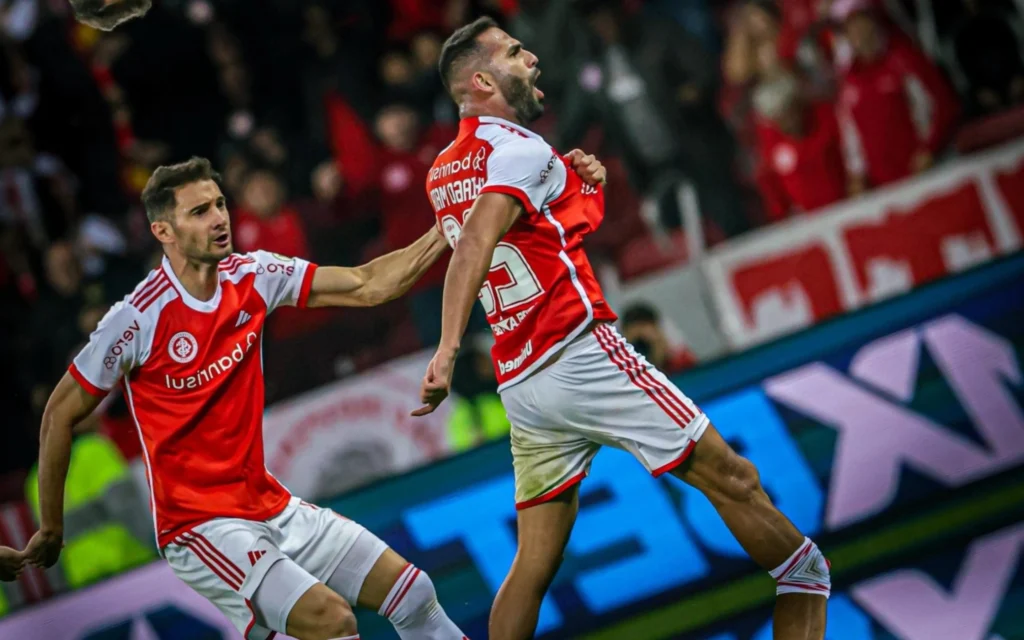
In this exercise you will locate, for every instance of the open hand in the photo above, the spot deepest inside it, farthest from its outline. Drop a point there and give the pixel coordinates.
(43, 549)
(11, 563)
(437, 382)
(587, 167)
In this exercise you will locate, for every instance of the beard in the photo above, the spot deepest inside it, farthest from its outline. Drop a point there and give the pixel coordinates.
(520, 96)
(203, 250)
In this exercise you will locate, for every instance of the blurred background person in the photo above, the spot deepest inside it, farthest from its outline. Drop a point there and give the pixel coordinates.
(896, 109)
(801, 160)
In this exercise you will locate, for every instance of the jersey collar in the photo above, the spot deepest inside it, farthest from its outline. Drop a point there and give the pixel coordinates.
(473, 122)
(203, 306)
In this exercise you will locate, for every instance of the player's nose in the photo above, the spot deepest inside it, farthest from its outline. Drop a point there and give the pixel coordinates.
(531, 60)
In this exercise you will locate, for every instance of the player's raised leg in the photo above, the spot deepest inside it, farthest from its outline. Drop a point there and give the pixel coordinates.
(543, 533)
(733, 486)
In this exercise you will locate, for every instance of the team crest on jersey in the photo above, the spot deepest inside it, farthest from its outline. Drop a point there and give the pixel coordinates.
(183, 347)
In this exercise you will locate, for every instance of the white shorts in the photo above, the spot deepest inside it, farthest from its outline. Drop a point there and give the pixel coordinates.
(600, 392)
(226, 559)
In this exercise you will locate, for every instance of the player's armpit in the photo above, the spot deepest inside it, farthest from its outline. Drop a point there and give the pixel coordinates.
(380, 280)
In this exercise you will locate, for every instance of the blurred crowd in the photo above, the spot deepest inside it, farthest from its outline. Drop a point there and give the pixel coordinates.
(323, 116)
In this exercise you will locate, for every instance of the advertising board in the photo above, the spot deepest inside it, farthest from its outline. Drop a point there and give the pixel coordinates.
(791, 275)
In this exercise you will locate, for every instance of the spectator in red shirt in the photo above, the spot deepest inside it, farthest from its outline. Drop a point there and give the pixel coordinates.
(896, 110)
(264, 221)
(801, 163)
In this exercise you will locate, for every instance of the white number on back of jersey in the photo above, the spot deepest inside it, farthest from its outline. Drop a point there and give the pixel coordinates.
(524, 285)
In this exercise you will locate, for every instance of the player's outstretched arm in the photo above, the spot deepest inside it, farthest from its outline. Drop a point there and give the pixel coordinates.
(491, 217)
(378, 281)
(68, 404)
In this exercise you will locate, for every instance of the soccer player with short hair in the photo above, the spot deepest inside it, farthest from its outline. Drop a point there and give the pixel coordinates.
(186, 348)
(516, 215)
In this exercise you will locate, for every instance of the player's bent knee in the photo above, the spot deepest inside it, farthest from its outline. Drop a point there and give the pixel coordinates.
(321, 614)
(742, 482)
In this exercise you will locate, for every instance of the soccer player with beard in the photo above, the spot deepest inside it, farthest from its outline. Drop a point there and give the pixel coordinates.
(516, 214)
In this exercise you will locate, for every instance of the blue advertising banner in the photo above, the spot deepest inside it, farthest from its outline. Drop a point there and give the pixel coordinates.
(894, 436)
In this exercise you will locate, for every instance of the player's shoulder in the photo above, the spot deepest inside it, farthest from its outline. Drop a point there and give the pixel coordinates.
(150, 296)
(258, 262)
(508, 138)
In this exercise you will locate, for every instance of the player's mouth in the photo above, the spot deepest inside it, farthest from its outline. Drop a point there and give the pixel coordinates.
(537, 92)
(223, 240)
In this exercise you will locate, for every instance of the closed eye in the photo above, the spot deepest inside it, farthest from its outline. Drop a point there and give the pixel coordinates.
(514, 50)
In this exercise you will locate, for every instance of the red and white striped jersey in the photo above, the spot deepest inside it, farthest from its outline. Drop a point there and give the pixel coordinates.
(192, 375)
(541, 291)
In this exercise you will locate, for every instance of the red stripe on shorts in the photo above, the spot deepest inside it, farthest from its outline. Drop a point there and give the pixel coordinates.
(553, 493)
(210, 563)
(613, 354)
(217, 553)
(667, 393)
(198, 542)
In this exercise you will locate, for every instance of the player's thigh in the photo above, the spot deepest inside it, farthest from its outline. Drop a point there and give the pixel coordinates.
(547, 459)
(226, 561)
(339, 552)
(623, 400)
(543, 531)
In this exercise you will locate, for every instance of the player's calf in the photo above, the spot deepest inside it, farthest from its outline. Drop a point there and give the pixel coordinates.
(732, 484)
(321, 614)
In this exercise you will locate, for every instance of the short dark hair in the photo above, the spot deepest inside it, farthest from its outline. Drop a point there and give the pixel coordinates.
(103, 16)
(158, 196)
(639, 313)
(461, 45)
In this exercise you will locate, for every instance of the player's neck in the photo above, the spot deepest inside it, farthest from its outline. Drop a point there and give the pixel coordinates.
(198, 278)
(476, 109)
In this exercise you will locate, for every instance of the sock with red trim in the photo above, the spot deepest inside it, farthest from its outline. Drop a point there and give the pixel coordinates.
(347, 638)
(806, 571)
(413, 609)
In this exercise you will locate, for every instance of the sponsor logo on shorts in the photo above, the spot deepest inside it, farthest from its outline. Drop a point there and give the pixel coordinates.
(183, 347)
(512, 365)
(254, 556)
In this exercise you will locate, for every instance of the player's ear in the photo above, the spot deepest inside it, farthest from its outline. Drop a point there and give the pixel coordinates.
(483, 81)
(162, 230)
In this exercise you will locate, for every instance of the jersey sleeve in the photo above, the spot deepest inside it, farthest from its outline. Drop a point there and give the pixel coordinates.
(526, 169)
(282, 280)
(117, 346)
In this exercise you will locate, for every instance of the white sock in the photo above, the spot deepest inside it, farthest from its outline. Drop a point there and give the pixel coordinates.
(414, 611)
(806, 571)
(347, 638)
